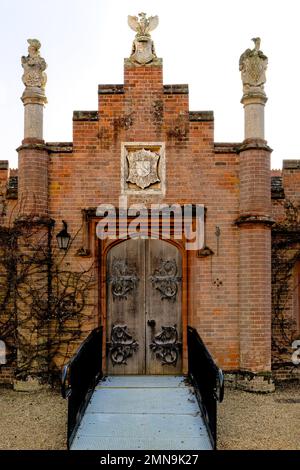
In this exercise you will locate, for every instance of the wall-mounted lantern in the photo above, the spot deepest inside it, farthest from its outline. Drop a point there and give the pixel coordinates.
(63, 237)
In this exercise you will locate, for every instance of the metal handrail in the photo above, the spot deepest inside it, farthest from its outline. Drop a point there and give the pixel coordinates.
(79, 378)
(81, 374)
(208, 380)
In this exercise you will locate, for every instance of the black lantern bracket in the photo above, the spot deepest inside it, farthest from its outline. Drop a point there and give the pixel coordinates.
(63, 237)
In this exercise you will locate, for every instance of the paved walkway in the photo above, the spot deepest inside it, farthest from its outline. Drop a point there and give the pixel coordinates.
(142, 412)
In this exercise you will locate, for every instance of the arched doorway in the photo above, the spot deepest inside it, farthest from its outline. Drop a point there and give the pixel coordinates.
(144, 308)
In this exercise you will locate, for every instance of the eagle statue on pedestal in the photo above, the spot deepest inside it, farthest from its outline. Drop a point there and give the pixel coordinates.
(143, 51)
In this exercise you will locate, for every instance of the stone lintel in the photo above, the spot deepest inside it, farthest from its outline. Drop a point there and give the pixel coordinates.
(85, 116)
(4, 165)
(177, 89)
(181, 89)
(200, 116)
(254, 219)
(91, 212)
(51, 147)
(227, 147)
(59, 147)
(291, 165)
(111, 89)
(254, 144)
(31, 144)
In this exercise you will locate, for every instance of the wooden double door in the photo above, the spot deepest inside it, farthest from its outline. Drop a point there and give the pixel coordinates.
(144, 297)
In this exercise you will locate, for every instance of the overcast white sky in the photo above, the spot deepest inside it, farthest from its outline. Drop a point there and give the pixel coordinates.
(84, 43)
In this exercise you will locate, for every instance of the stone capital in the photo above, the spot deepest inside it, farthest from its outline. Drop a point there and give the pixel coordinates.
(254, 144)
(254, 97)
(34, 95)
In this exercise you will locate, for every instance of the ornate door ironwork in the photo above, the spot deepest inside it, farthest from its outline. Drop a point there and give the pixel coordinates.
(122, 345)
(166, 280)
(144, 308)
(166, 346)
(123, 280)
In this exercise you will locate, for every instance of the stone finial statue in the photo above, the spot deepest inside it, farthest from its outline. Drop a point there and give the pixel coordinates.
(253, 65)
(143, 51)
(34, 66)
(33, 97)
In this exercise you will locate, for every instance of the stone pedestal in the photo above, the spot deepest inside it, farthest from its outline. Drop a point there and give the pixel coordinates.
(254, 107)
(34, 100)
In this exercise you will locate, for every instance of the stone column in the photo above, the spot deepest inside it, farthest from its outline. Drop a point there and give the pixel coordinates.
(253, 64)
(32, 219)
(254, 107)
(255, 230)
(33, 156)
(34, 98)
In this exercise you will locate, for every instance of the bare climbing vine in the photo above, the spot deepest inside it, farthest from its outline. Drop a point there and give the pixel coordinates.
(285, 255)
(43, 303)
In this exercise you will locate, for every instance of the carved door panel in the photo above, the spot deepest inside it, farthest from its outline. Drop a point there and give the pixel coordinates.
(144, 308)
(163, 308)
(125, 314)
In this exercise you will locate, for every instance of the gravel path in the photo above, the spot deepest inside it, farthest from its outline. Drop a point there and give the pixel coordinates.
(260, 422)
(32, 420)
(37, 420)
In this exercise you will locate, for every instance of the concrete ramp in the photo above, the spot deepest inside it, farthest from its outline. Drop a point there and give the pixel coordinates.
(142, 413)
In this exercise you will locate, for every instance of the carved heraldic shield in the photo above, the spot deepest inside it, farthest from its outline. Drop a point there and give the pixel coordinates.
(143, 168)
(143, 51)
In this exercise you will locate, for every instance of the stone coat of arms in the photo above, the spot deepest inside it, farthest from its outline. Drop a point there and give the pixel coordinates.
(253, 64)
(34, 66)
(143, 168)
(143, 51)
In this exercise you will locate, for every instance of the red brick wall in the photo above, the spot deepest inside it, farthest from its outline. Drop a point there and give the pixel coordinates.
(255, 258)
(286, 318)
(255, 295)
(3, 173)
(229, 184)
(291, 180)
(214, 293)
(33, 179)
(144, 110)
(255, 196)
(6, 375)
